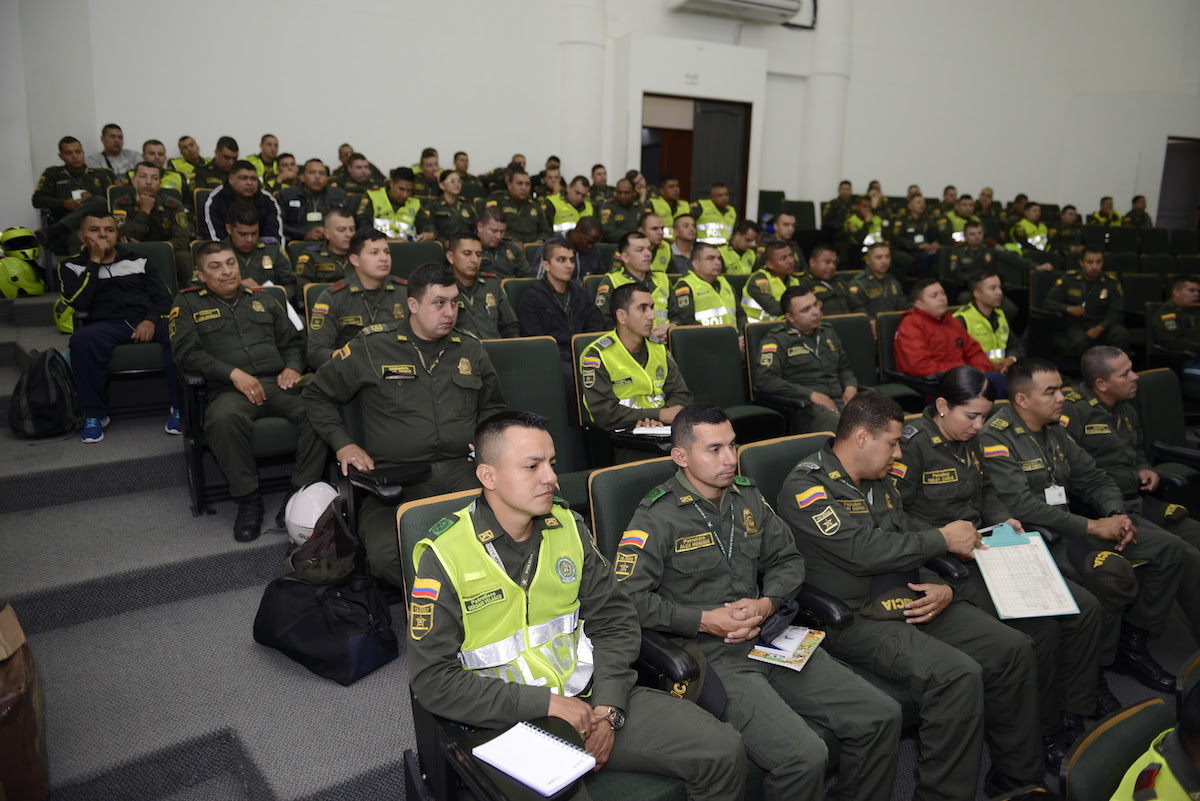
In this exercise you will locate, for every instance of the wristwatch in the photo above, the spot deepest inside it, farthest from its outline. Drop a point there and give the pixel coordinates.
(616, 718)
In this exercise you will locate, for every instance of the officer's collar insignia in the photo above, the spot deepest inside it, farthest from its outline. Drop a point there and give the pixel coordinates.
(835, 474)
(936, 440)
(402, 337)
(909, 432)
(685, 499)
(550, 521)
(742, 480)
(441, 525)
(456, 339)
(486, 536)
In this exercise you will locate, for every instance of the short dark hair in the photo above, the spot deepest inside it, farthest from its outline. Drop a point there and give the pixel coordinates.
(820, 248)
(627, 238)
(111, 126)
(458, 153)
(1021, 198)
(67, 140)
(961, 198)
(1091, 248)
(242, 213)
(972, 224)
(402, 174)
(699, 247)
(242, 164)
(790, 294)
(551, 247)
(514, 170)
(185, 136)
(444, 174)
(493, 214)
(697, 413)
(227, 143)
(1136, 198)
(744, 227)
(1097, 363)
(263, 138)
(717, 185)
(774, 246)
(844, 183)
(579, 179)
(489, 433)
(599, 167)
(151, 165)
(354, 157)
(152, 142)
(588, 224)
(461, 236)
(948, 187)
(964, 383)
(642, 220)
(667, 176)
(362, 236)
(919, 288)
(1020, 375)
(427, 275)
(1106, 197)
(98, 215)
(1178, 281)
(791, 214)
(339, 211)
(976, 279)
(316, 161)
(283, 156)
(428, 153)
(209, 248)
(871, 410)
(1067, 208)
(622, 296)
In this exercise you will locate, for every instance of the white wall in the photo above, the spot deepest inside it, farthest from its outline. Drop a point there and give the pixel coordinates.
(1065, 101)
(16, 170)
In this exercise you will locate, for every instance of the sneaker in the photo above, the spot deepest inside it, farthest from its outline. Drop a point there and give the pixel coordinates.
(173, 425)
(93, 429)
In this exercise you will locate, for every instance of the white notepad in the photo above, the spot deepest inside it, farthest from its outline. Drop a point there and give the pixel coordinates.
(536, 758)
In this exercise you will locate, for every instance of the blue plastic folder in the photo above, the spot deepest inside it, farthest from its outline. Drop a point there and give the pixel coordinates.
(1021, 576)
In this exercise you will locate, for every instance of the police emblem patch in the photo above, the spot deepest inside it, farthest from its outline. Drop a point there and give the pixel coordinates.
(827, 521)
(420, 620)
(589, 378)
(267, 263)
(748, 522)
(566, 570)
(626, 562)
(464, 366)
(257, 306)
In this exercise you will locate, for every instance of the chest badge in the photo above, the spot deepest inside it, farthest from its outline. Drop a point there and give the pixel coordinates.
(257, 306)
(748, 522)
(464, 366)
(566, 570)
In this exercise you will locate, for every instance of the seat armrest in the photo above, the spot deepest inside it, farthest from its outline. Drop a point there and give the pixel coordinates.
(627, 439)
(947, 567)
(1044, 314)
(821, 610)
(1174, 353)
(772, 400)
(1171, 453)
(1170, 481)
(1048, 536)
(667, 658)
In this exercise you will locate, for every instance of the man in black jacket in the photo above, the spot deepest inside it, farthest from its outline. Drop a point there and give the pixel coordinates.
(125, 301)
(242, 184)
(558, 305)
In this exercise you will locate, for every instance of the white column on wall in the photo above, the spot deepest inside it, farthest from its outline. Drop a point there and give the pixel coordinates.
(581, 56)
(825, 112)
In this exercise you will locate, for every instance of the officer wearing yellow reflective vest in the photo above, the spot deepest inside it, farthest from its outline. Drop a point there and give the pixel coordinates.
(715, 218)
(1030, 235)
(764, 288)
(739, 253)
(864, 227)
(986, 322)
(1170, 767)
(651, 225)
(703, 296)
(628, 377)
(635, 256)
(395, 211)
(502, 589)
(667, 204)
(954, 221)
(569, 206)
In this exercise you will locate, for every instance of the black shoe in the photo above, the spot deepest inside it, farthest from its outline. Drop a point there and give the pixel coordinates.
(281, 515)
(1134, 659)
(1106, 702)
(997, 783)
(1072, 728)
(248, 524)
(1055, 747)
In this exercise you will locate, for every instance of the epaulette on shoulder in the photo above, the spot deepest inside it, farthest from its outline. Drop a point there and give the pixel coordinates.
(808, 467)
(257, 289)
(378, 328)
(909, 432)
(488, 275)
(603, 342)
(338, 286)
(464, 333)
(775, 329)
(1071, 395)
(314, 248)
(440, 527)
(742, 481)
(398, 280)
(652, 496)
(998, 423)
(1111, 274)
(191, 289)
(1093, 401)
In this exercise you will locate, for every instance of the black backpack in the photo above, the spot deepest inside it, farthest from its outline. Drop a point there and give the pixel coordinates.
(44, 402)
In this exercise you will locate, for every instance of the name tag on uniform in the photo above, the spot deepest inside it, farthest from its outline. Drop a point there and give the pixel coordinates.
(798, 350)
(694, 542)
(355, 320)
(947, 476)
(295, 203)
(314, 216)
(1097, 428)
(398, 371)
(1056, 495)
(206, 314)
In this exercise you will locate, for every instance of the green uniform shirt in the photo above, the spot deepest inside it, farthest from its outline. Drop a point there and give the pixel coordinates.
(1176, 327)
(683, 554)
(835, 296)
(452, 218)
(207, 176)
(1103, 300)
(250, 332)
(659, 285)
(165, 222)
(423, 189)
(57, 185)
(763, 291)
(1022, 464)
(878, 294)
(606, 411)
(601, 194)
(345, 308)
(1139, 219)
(1112, 436)
(909, 233)
(962, 260)
(941, 480)
(849, 533)
(795, 365)
(767, 239)
(834, 213)
(1064, 237)
(484, 311)
(438, 678)
(527, 222)
(863, 233)
(1111, 221)
(617, 220)
(352, 187)
(420, 401)
(506, 260)
(318, 265)
(266, 262)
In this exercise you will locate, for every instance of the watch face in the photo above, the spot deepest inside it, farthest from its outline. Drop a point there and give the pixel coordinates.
(617, 718)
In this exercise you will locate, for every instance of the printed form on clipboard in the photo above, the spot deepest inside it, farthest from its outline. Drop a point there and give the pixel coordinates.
(1021, 576)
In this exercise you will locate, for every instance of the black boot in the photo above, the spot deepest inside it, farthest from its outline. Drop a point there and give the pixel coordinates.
(1072, 728)
(1055, 747)
(248, 524)
(1106, 702)
(997, 783)
(1134, 659)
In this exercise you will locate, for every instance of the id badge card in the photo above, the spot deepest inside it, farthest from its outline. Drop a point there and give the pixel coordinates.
(1056, 495)
(76, 194)
(314, 216)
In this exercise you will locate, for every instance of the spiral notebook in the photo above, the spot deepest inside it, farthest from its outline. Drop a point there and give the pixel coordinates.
(536, 758)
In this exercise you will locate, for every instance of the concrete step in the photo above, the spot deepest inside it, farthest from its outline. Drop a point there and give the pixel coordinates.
(9, 376)
(32, 312)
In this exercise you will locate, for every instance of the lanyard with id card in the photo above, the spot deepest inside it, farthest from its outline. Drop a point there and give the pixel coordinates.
(1056, 495)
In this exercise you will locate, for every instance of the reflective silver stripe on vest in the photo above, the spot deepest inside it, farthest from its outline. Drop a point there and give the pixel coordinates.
(871, 239)
(712, 316)
(564, 227)
(711, 233)
(996, 354)
(395, 228)
(1038, 241)
(578, 681)
(497, 653)
(958, 236)
(544, 632)
(630, 403)
(668, 232)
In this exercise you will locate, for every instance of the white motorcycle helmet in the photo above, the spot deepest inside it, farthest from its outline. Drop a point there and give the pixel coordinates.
(305, 508)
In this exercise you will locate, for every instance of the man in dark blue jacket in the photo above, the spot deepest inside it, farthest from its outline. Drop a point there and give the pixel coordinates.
(242, 184)
(558, 305)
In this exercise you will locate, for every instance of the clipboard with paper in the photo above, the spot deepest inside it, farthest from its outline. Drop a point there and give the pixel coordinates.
(1021, 576)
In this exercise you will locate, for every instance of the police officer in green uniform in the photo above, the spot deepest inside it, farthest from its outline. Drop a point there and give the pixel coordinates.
(1107, 216)
(265, 161)
(1137, 216)
(1034, 463)
(634, 267)
(483, 307)
(986, 322)
(366, 295)
(150, 215)
(155, 152)
(915, 234)
(783, 230)
(985, 205)
(422, 388)
(651, 226)
(328, 261)
(968, 672)
(834, 212)
(941, 478)
(628, 377)
(566, 208)
(715, 217)
(304, 207)
(667, 204)
(803, 360)
(1176, 325)
(1102, 419)
(428, 171)
(620, 215)
(1093, 305)
(189, 158)
(972, 254)
(527, 224)
(691, 559)
(358, 176)
(258, 261)
(462, 166)
(516, 561)
(241, 341)
(451, 213)
(1014, 212)
(395, 211)
(740, 252)
(1030, 234)
(68, 194)
(215, 171)
(1170, 768)
(834, 294)
(875, 286)
(953, 222)
(500, 255)
(863, 227)
(1067, 237)
(764, 287)
(703, 296)
(600, 191)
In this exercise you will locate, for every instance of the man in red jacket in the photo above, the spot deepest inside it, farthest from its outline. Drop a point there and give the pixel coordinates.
(930, 340)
